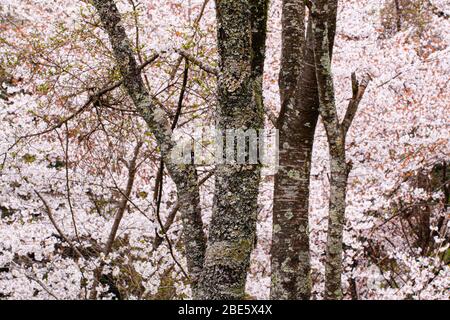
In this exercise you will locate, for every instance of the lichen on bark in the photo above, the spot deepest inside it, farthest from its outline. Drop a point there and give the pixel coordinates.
(185, 177)
(241, 46)
(296, 123)
(324, 23)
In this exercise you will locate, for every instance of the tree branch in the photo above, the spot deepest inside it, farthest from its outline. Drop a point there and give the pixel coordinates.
(202, 65)
(91, 99)
(171, 216)
(358, 90)
(39, 282)
(58, 229)
(124, 201)
(185, 177)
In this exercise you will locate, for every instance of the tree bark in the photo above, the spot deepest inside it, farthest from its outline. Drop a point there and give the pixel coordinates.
(297, 122)
(233, 225)
(336, 141)
(185, 177)
(290, 239)
(324, 16)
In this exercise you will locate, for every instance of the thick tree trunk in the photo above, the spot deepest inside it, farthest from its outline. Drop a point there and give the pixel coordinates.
(233, 225)
(185, 177)
(290, 238)
(296, 124)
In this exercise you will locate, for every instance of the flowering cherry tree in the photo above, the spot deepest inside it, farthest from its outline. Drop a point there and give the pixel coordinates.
(91, 209)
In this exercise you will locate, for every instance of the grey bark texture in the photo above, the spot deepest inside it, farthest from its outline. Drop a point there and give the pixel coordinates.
(290, 257)
(324, 23)
(290, 239)
(184, 176)
(241, 28)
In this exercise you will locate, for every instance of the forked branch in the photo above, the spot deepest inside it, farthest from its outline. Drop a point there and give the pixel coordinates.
(358, 90)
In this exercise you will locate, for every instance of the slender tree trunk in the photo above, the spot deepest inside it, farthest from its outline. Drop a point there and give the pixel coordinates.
(233, 225)
(338, 181)
(296, 124)
(185, 177)
(324, 16)
(336, 222)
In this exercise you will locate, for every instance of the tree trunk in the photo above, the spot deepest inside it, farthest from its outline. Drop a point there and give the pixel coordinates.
(233, 225)
(336, 221)
(338, 181)
(324, 16)
(296, 124)
(290, 239)
(185, 177)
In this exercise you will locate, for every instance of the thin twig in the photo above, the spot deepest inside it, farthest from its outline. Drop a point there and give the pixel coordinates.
(158, 218)
(33, 278)
(58, 229)
(69, 200)
(92, 98)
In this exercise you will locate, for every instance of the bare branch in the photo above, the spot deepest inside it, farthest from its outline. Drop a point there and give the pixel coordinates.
(124, 201)
(271, 116)
(174, 124)
(58, 229)
(358, 90)
(33, 278)
(200, 15)
(171, 216)
(92, 98)
(308, 4)
(202, 65)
